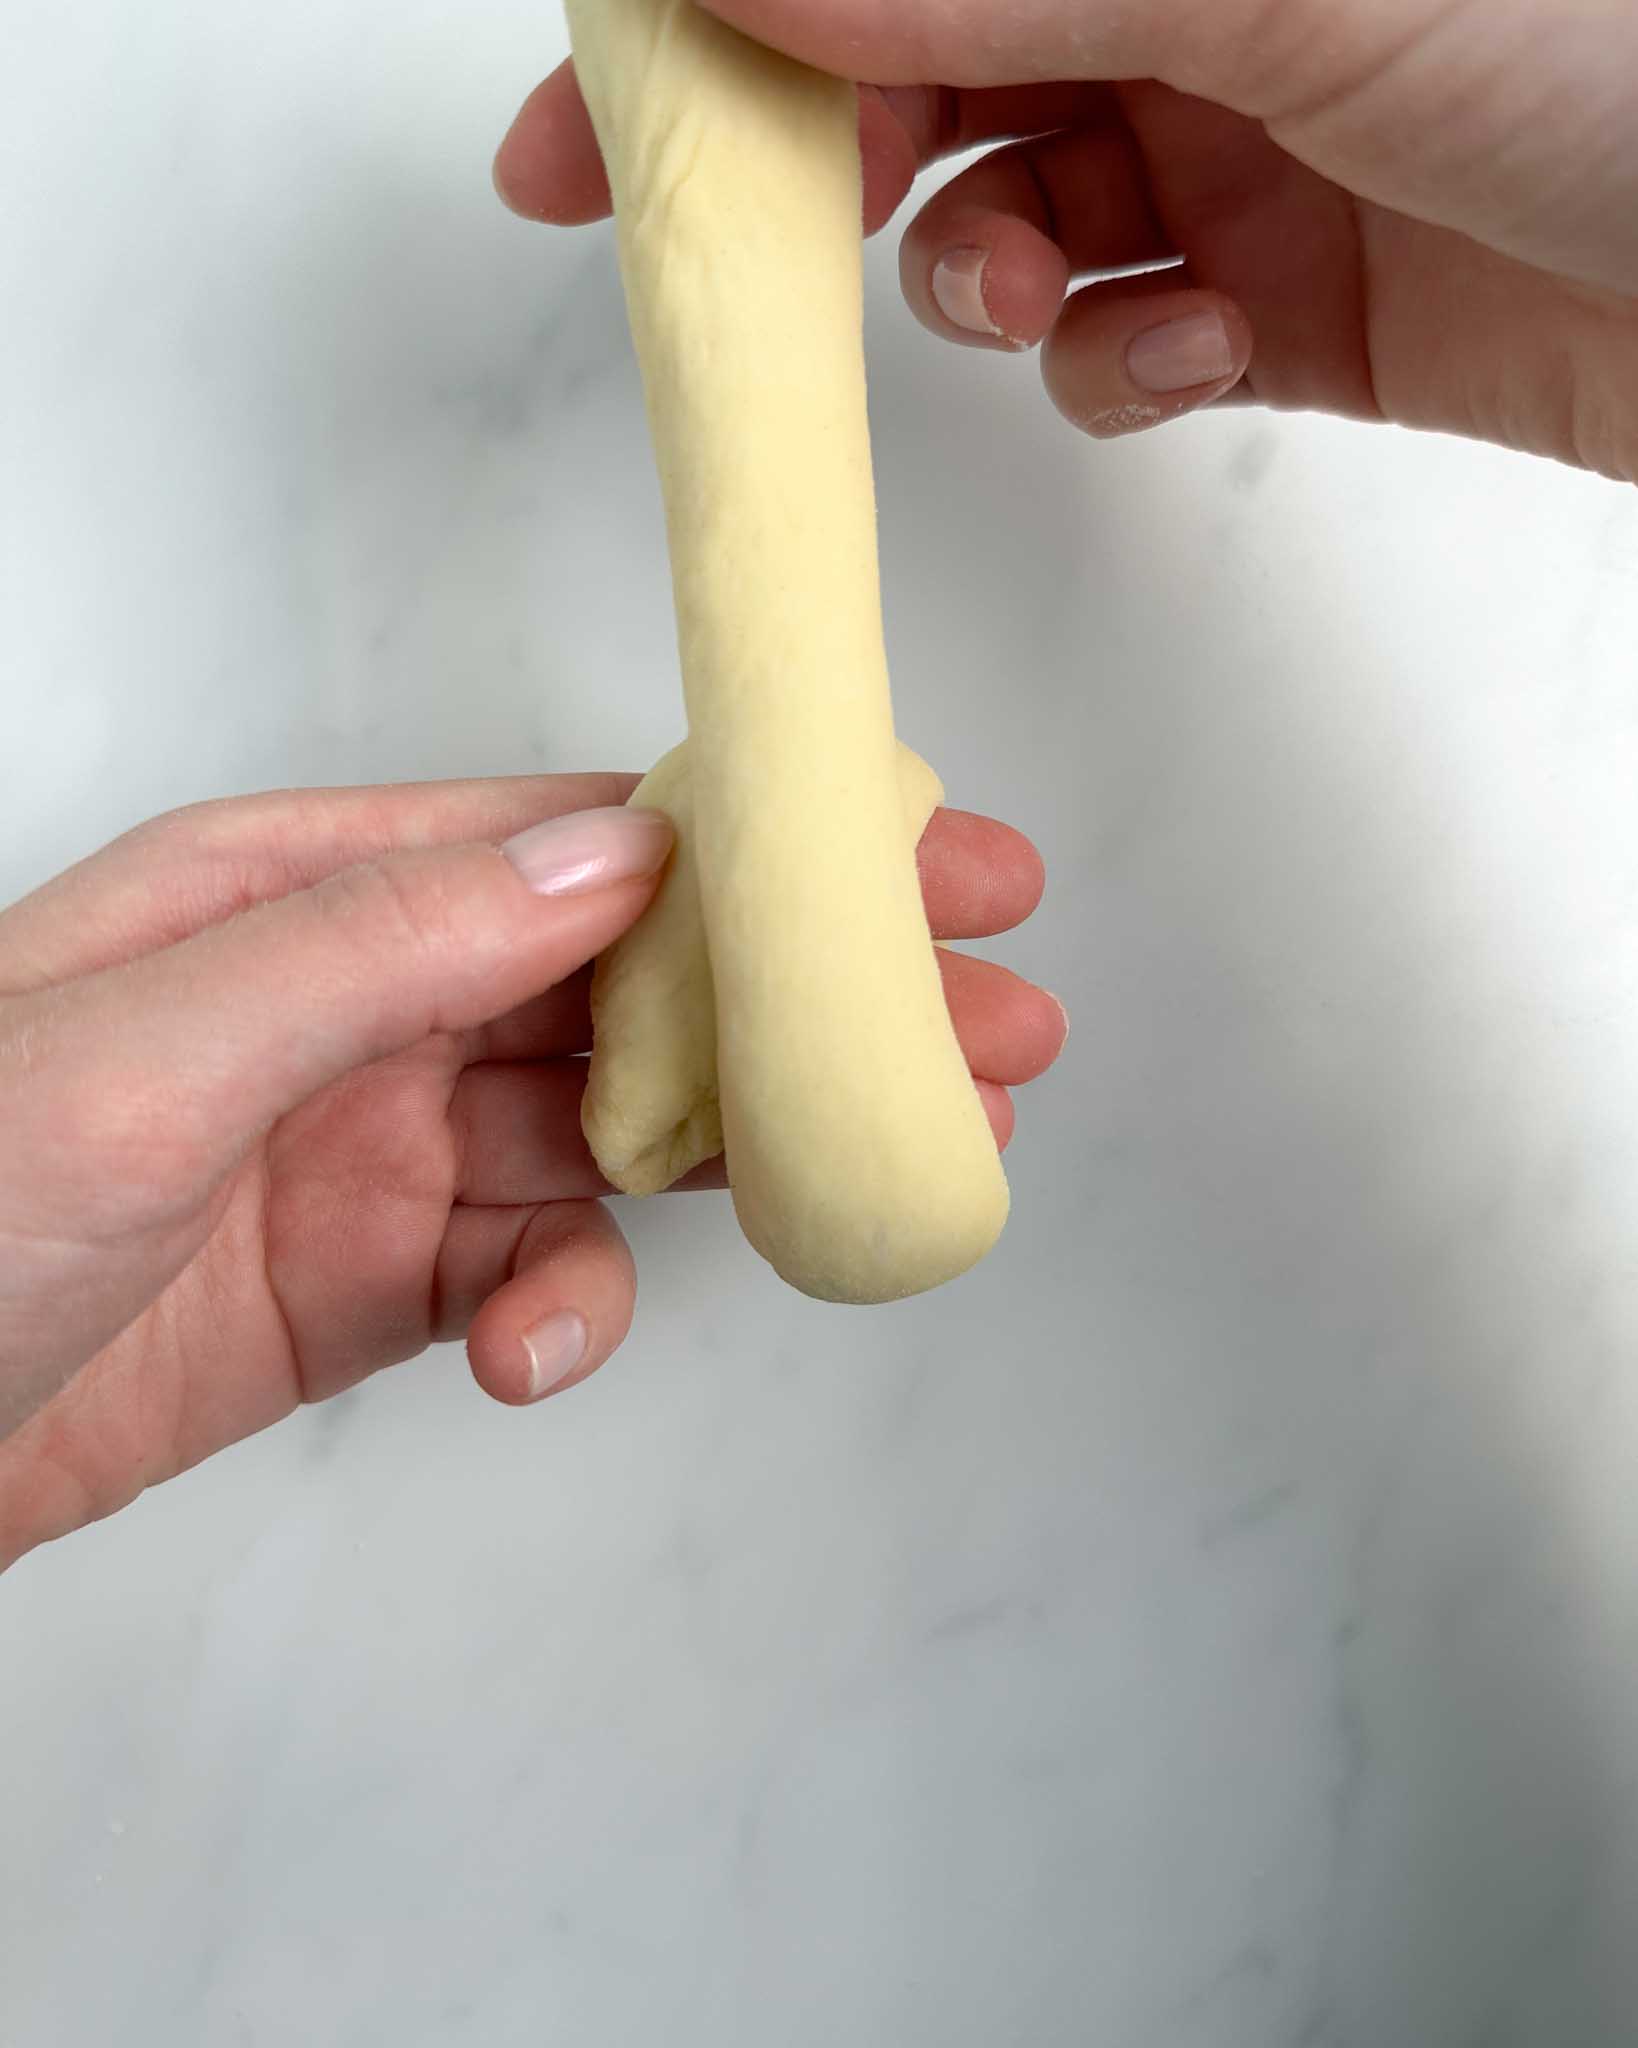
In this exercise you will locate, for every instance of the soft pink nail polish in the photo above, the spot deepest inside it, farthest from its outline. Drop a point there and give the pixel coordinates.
(590, 850)
(1181, 354)
(556, 1349)
(958, 288)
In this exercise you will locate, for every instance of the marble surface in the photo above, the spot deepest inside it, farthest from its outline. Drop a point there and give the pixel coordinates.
(1215, 1624)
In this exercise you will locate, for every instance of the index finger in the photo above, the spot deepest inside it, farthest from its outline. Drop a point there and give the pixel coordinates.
(192, 868)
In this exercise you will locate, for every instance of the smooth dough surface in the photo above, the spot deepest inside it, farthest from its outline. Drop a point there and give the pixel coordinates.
(862, 1162)
(653, 1097)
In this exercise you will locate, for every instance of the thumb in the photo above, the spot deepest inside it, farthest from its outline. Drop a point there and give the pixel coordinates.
(1261, 61)
(158, 1074)
(972, 42)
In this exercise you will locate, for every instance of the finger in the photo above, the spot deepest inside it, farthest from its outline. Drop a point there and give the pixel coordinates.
(1141, 352)
(171, 1066)
(966, 42)
(1010, 1030)
(516, 1124)
(516, 1129)
(979, 877)
(552, 1026)
(549, 167)
(178, 874)
(560, 1304)
(1286, 241)
(989, 259)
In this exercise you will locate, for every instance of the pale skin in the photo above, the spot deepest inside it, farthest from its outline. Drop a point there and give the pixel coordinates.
(290, 1089)
(1418, 211)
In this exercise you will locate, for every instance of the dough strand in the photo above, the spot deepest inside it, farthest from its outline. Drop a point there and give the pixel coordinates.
(862, 1162)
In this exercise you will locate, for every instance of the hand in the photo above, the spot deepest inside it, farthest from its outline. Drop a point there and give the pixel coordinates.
(290, 1089)
(1390, 209)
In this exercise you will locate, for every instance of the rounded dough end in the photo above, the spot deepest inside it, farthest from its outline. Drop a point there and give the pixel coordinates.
(897, 1256)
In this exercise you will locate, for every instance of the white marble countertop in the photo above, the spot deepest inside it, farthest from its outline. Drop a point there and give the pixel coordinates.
(1213, 1625)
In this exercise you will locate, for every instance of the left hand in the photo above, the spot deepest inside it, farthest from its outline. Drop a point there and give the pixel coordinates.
(290, 1089)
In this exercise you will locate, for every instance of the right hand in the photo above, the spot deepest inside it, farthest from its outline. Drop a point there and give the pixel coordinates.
(1402, 210)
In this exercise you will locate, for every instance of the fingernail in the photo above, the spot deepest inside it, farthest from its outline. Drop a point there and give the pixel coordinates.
(958, 287)
(590, 850)
(1181, 354)
(556, 1350)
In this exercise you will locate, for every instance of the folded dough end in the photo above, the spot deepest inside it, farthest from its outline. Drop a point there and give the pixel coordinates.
(638, 1163)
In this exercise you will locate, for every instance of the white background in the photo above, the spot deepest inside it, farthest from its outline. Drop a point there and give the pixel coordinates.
(1214, 1625)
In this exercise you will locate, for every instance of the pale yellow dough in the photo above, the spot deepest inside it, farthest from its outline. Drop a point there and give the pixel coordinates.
(862, 1162)
(653, 1103)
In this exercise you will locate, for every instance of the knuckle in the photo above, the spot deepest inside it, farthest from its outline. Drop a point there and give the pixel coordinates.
(191, 828)
(219, 828)
(388, 905)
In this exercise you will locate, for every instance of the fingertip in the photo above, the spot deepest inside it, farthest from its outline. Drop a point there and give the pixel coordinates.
(1020, 870)
(1011, 1031)
(1128, 356)
(508, 169)
(1025, 280)
(496, 175)
(985, 280)
(1040, 1033)
(1051, 1029)
(979, 877)
(522, 1367)
(565, 1312)
(549, 167)
(510, 1368)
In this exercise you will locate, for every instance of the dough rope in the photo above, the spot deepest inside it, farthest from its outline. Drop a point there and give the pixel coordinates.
(652, 1108)
(784, 986)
